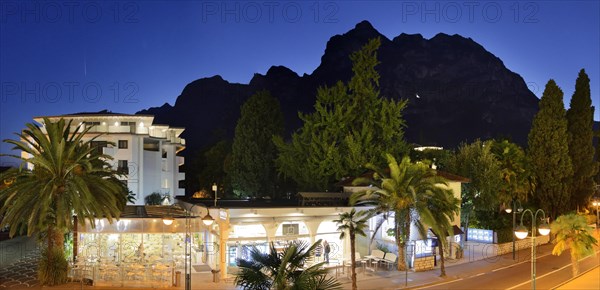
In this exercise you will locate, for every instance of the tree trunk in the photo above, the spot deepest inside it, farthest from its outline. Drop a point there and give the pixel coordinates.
(574, 262)
(402, 235)
(53, 268)
(353, 257)
(55, 238)
(442, 265)
(467, 227)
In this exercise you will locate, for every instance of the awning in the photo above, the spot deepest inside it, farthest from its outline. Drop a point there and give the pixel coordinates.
(455, 229)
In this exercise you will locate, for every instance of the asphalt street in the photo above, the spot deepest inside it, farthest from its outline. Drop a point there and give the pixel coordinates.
(551, 271)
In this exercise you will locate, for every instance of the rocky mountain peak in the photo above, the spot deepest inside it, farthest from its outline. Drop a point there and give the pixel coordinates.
(465, 92)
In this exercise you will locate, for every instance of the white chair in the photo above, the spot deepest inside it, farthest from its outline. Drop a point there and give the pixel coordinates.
(389, 259)
(359, 261)
(376, 256)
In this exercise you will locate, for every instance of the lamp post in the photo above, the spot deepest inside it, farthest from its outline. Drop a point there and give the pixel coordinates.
(596, 203)
(521, 232)
(188, 248)
(215, 188)
(514, 209)
(207, 220)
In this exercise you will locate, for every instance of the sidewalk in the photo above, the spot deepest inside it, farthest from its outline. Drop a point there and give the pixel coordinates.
(382, 279)
(459, 269)
(588, 280)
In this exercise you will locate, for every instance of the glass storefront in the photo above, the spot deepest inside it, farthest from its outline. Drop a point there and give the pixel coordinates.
(141, 252)
(327, 231)
(242, 239)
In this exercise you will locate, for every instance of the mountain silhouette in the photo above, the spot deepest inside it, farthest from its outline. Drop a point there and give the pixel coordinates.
(456, 90)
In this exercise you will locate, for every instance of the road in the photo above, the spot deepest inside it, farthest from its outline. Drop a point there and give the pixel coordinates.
(550, 272)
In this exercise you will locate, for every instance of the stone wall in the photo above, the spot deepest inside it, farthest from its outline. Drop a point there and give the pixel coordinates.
(423, 264)
(506, 248)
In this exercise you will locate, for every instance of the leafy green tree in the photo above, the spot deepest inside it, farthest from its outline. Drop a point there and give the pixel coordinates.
(283, 271)
(580, 122)
(68, 177)
(480, 197)
(516, 180)
(352, 125)
(409, 188)
(253, 155)
(436, 157)
(354, 223)
(573, 232)
(549, 152)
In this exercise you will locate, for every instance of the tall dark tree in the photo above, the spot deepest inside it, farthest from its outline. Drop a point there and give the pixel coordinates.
(549, 153)
(352, 125)
(253, 155)
(580, 120)
(213, 164)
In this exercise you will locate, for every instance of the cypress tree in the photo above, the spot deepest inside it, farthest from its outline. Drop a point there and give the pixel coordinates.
(580, 117)
(252, 169)
(549, 152)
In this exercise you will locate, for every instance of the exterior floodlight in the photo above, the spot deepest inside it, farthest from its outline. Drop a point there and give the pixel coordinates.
(544, 229)
(168, 221)
(521, 232)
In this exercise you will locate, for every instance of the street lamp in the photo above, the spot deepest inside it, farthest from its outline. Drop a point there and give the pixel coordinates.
(521, 233)
(207, 220)
(168, 220)
(514, 209)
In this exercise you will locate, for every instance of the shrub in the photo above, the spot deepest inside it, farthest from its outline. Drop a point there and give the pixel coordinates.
(53, 267)
(504, 235)
(154, 199)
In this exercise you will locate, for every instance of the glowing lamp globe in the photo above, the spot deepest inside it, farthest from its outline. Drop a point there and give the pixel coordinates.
(521, 232)
(544, 229)
(168, 221)
(208, 220)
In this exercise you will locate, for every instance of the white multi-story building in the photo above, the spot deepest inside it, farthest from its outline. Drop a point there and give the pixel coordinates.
(145, 153)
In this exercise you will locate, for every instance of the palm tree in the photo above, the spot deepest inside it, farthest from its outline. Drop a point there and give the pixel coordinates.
(68, 177)
(283, 271)
(354, 223)
(405, 193)
(443, 206)
(572, 231)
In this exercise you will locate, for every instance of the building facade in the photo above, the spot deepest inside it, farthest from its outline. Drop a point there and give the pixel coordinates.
(144, 153)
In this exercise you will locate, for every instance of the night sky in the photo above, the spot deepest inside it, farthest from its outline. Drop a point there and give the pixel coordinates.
(66, 57)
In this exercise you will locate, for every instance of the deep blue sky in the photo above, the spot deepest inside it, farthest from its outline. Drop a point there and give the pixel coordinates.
(55, 56)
